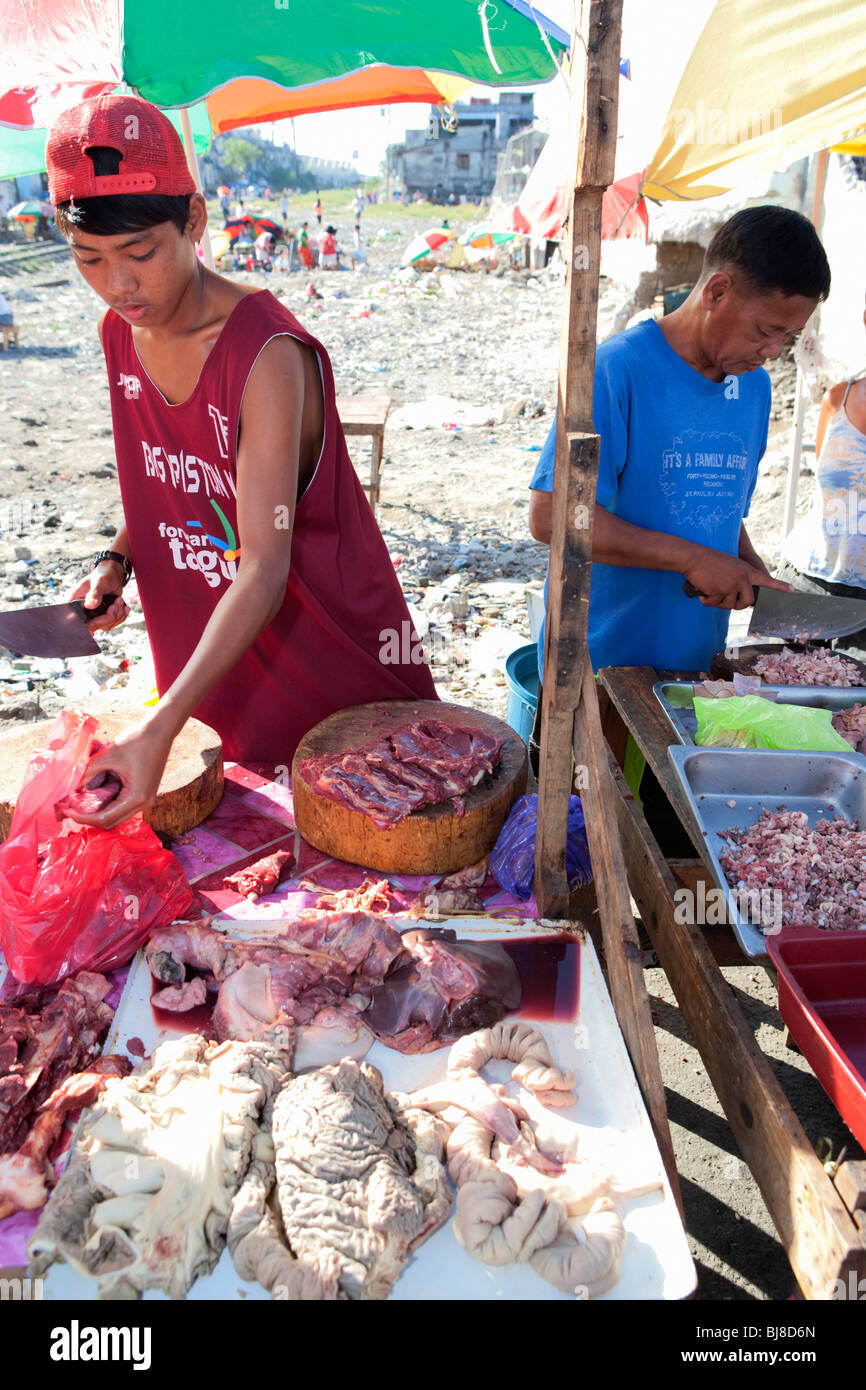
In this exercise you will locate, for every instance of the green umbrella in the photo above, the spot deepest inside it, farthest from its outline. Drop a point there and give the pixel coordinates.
(46, 66)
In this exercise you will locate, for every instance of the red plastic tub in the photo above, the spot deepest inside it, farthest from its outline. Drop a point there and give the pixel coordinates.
(822, 998)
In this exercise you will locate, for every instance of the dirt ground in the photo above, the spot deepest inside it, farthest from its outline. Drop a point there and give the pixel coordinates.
(454, 513)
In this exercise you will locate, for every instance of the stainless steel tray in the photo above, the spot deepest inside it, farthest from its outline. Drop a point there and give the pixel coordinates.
(676, 699)
(728, 788)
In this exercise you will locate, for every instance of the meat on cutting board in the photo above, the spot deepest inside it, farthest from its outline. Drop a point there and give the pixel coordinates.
(421, 764)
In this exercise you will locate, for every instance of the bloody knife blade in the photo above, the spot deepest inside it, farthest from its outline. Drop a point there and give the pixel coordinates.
(59, 629)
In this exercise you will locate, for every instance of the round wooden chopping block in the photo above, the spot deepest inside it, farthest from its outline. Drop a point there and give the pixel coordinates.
(433, 840)
(191, 785)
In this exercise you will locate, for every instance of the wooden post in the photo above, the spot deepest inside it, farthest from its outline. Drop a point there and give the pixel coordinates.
(570, 715)
(594, 83)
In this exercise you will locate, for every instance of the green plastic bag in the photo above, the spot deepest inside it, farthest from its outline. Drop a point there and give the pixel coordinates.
(750, 721)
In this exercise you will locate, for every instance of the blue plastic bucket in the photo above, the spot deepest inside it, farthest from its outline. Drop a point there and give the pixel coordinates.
(521, 677)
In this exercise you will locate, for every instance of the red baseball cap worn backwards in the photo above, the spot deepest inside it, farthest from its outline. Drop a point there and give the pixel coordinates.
(151, 154)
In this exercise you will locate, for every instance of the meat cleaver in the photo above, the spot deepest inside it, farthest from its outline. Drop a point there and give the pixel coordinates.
(797, 617)
(58, 630)
(805, 617)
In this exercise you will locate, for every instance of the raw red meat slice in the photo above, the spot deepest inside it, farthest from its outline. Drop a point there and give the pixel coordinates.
(423, 763)
(87, 800)
(263, 876)
(350, 781)
(409, 774)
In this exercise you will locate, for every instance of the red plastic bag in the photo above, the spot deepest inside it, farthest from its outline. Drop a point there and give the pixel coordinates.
(76, 897)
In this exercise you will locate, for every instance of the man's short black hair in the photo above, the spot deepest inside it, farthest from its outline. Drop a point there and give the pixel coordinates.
(124, 212)
(771, 248)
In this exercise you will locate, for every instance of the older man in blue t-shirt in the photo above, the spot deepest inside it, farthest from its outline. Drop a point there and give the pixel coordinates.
(682, 408)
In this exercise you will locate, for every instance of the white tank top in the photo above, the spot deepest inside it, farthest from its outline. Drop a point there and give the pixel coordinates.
(829, 542)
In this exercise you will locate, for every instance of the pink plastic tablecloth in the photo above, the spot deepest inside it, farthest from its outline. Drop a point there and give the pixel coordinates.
(255, 817)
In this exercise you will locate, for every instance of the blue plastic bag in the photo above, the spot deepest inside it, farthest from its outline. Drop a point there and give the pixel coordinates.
(512, 861)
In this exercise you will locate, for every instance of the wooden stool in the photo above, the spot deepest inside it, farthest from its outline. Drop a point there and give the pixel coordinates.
(10, 333)
(367, 414)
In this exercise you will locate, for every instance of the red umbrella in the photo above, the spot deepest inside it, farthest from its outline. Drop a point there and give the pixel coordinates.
(267, 224)
(542, 205)
(239, 227)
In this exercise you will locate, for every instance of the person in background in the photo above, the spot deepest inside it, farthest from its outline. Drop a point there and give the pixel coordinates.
(264, 245)
(825, 553)
(328, 254)
(284, 206)
(317, 209)
(359, 250)
(7, 319)
(358, 205)
(304, 250)
(242, 208)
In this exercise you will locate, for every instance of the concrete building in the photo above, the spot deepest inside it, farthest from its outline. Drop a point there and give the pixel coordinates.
(438, 162)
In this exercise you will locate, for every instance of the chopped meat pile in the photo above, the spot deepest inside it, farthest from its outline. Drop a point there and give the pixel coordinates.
(740, 685)
(41, 1044)
(820, 873)
(144, 1202)
(359, 1186)
(44, 1047)
(336, 981)
(418, 765)
(819, 666)
(262, 877)
(26, 1175)
(851, 724)
(370, 896)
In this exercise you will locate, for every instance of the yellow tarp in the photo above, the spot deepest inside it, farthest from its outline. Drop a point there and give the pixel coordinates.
(768, 82)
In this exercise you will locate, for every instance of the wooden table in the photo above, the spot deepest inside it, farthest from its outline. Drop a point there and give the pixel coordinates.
(367, 414)
(817, 1218)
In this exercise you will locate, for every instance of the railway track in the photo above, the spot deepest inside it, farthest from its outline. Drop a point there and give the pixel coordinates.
(16, 259)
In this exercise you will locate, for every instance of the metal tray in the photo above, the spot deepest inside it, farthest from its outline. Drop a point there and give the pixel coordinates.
(677, 700)
(728, 788)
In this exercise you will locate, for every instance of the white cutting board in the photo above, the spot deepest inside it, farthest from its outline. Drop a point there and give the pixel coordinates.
(610, 1117)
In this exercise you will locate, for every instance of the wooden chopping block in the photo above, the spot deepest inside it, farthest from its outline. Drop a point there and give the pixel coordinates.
(433, 840)
(191, 785)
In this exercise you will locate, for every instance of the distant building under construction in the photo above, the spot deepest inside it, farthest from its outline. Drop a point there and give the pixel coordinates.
(439, 162)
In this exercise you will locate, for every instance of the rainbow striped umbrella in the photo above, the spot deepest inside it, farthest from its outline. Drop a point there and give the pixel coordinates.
(483, 237)
(277, 61)
(424, 244)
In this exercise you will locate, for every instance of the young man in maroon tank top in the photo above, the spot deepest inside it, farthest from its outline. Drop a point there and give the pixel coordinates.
(268, 592)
